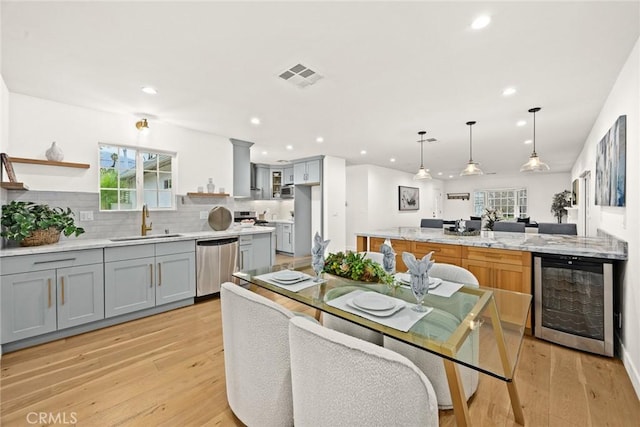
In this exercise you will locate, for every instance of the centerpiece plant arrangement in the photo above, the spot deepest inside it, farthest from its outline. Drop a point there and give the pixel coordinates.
(559, 202)
(33, 224)
(355, 266)
(491, 216)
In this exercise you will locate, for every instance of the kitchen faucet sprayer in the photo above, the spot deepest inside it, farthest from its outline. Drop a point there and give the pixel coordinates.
(145, 214)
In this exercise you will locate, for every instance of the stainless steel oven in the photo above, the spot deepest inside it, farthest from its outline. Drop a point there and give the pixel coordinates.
(574, 302)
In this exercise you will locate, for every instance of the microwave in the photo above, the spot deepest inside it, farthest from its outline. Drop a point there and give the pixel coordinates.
(286, 192)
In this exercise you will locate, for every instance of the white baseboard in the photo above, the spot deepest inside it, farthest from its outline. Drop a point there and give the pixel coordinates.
(632, 370)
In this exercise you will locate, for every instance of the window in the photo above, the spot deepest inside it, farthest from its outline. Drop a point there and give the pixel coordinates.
(512, 202)
(130, 177)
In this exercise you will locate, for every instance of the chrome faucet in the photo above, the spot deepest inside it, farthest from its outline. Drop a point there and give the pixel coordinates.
(145, 215)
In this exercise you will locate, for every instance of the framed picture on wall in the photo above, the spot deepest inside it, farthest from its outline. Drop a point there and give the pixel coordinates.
(611, 165)
(574, 193)
(408, 198)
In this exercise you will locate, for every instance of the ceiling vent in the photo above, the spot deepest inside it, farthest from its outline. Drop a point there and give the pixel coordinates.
(300, 76)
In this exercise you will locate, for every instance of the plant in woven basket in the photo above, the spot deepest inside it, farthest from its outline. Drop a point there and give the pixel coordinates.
(355, 266)
(32, 224)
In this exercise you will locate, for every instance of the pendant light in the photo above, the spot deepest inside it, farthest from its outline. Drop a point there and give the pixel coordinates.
(472, 167)
(422, 172)
(534, 164)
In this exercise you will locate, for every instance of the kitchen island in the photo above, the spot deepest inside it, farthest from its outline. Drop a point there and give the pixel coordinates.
(498, 259)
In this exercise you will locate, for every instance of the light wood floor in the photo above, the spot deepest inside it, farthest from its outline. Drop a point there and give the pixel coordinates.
(167, 370)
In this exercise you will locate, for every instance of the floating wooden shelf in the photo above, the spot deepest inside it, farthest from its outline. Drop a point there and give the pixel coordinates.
(14, 186)
(208, 194)
(49, 163)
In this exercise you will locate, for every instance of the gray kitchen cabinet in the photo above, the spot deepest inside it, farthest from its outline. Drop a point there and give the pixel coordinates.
(287, 178)
(263, 182)
(279, 227)
(143, 276)
(307, 172)
(47, 292)
(287, 238)
(255, 251)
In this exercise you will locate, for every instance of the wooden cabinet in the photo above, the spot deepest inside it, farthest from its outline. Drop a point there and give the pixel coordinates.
(144, 276)
(47, 292)
(287, 178)
(442, 252)
(307, 172)
(501, 269)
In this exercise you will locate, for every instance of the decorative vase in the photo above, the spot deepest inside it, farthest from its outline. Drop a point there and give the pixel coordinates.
(210, 186)
(54, 153)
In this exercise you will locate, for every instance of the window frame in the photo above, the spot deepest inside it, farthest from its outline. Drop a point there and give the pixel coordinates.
(140, 175)
(517, 196)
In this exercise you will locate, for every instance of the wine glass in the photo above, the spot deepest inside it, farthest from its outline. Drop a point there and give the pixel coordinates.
(420, 288)
(318, 265)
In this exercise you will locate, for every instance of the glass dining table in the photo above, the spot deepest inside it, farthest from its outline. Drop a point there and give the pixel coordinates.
(490, 320)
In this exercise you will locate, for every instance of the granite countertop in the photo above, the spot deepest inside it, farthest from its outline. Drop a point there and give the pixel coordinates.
(74, 244)
(607, 247)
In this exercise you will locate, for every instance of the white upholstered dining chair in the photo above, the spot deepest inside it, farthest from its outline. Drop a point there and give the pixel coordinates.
(429, 363)
(338, 380)
(255, 333)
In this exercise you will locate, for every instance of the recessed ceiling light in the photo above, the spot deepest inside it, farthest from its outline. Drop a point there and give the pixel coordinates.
(521, 122)
(528, 141)
(481, 22)
(319, 139)
(289, 147)
(509, 91)
(149, 90)
(264, 152)
(440, 173)
(393, 159)
(255, 121)
(363, 151)
(450, 176)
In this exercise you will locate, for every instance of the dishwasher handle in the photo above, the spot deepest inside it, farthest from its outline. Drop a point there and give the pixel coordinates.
(217, 242)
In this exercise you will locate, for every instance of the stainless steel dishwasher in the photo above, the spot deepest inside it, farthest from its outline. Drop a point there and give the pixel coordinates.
(216, 261)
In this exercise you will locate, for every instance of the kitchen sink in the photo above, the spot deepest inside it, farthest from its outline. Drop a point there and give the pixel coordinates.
(150, 236)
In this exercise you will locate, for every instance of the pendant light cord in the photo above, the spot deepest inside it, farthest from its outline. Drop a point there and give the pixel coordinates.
(470, 149)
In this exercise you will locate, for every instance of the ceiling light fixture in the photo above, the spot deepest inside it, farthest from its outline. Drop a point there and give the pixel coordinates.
(393, 159)
(422, 172)
(142, 124)
(472, 167)
(255, 121)
(528, 141)
(289, 147)
(149, 90)
(363, 152)
(481, 22)
(534, 164)
(521, 123)
(319, 140)
(509, 91)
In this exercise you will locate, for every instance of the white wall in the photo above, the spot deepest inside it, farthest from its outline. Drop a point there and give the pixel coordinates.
(4, 116)
(622, 222)
(540, 190)
(34, 123)
(372, 200)
(334, 199)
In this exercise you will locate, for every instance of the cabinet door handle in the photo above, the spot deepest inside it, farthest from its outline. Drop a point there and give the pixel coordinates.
(151, 268)
(289, 238)
(241, 260)
(49, 283)
(62, 290)
(159, 274)
(54, 260)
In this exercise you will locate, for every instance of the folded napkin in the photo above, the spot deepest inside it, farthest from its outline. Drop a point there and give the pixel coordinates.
(317, 252)
(418, 267)
(389, 257)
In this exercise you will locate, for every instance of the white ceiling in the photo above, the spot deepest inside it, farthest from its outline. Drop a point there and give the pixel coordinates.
(390, 69)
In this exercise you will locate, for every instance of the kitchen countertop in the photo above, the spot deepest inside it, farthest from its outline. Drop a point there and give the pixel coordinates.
(282, 221)
(74, 244)
(606, 247)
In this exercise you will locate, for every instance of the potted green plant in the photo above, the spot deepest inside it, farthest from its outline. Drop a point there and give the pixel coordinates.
(355, 266)
(33, 224)
(490, 217)
(559, 202)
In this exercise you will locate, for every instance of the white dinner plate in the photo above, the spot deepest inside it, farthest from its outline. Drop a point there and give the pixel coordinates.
(373, 301)
(405, 279)
(287, 276)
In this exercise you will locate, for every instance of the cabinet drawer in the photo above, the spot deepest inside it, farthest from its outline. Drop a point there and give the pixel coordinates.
(503, 256)
(398, 246)
(122, 253)
(169, 248)
(245, 240)
(420, 249)
(39, 262)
